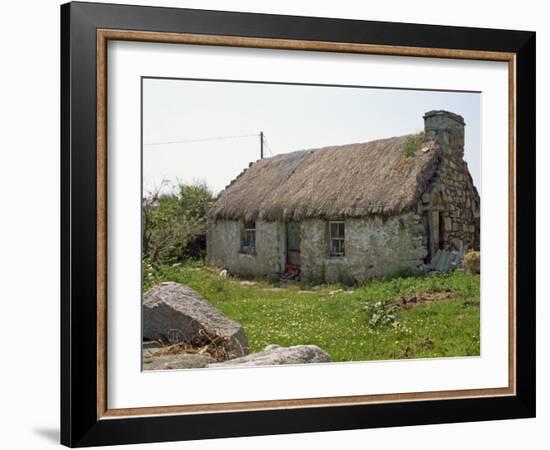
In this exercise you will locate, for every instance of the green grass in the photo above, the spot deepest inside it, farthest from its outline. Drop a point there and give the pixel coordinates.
(335, 319)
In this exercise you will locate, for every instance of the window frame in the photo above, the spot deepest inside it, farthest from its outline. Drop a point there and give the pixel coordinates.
(340, 238)
(248, 228)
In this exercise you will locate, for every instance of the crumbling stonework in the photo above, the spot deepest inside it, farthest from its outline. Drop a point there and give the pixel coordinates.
(451, 207)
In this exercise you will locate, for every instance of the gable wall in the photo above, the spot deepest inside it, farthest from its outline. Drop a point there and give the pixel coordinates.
(452, 201)
(453, 195)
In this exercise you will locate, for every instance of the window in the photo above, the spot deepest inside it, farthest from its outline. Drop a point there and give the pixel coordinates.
(248, 238)
(336, 238)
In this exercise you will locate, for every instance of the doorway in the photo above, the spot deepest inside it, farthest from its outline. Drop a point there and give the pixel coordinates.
(293, 243)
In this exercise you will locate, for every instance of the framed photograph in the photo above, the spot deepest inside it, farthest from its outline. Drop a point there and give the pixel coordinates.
(277, 224)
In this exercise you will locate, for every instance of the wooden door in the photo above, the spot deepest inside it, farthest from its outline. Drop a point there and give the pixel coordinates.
(293, 243)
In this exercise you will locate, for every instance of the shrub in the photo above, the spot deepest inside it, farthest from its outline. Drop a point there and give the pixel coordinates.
(381, 314)
(174, 224)
(471, 262)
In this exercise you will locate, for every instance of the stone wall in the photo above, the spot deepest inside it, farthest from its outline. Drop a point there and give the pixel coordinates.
(223, 248)
(374, 247)
(451, 207)
(459, 205)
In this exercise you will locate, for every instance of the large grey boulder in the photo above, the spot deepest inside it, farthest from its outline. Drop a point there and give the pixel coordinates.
(275, 355)
(176, 313)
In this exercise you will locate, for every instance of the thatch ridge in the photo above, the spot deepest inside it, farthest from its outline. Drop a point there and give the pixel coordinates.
(352, 180)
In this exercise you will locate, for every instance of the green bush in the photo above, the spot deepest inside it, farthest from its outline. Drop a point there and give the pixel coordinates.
(174, 224)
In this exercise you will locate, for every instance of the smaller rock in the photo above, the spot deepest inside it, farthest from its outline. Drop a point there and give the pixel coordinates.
(275, 355)
(271, 347)
(154, 361)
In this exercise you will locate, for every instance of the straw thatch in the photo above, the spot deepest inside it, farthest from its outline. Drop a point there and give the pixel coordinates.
(332, 182)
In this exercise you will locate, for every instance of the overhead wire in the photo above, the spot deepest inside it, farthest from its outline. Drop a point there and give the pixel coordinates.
(217, 138)
(268, 147)
(185, 141)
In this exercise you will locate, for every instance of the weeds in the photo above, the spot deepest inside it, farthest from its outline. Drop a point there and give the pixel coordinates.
(381, 314)
(411, 145)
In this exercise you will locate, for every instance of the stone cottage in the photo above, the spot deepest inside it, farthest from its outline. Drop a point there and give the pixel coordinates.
(351, 212)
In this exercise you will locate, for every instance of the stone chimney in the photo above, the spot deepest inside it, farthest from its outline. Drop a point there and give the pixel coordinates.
(447, 129)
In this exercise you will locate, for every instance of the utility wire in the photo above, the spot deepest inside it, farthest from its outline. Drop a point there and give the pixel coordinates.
(268, 147)
(219, 138)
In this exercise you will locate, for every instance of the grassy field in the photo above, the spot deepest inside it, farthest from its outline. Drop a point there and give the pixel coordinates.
(373, 322)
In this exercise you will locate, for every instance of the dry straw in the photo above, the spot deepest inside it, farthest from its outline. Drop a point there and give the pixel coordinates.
(352, 180)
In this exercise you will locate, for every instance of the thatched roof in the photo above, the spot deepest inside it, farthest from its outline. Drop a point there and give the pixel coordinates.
(332, 182)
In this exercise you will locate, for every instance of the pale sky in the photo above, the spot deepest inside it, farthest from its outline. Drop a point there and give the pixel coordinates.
(292, 118)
